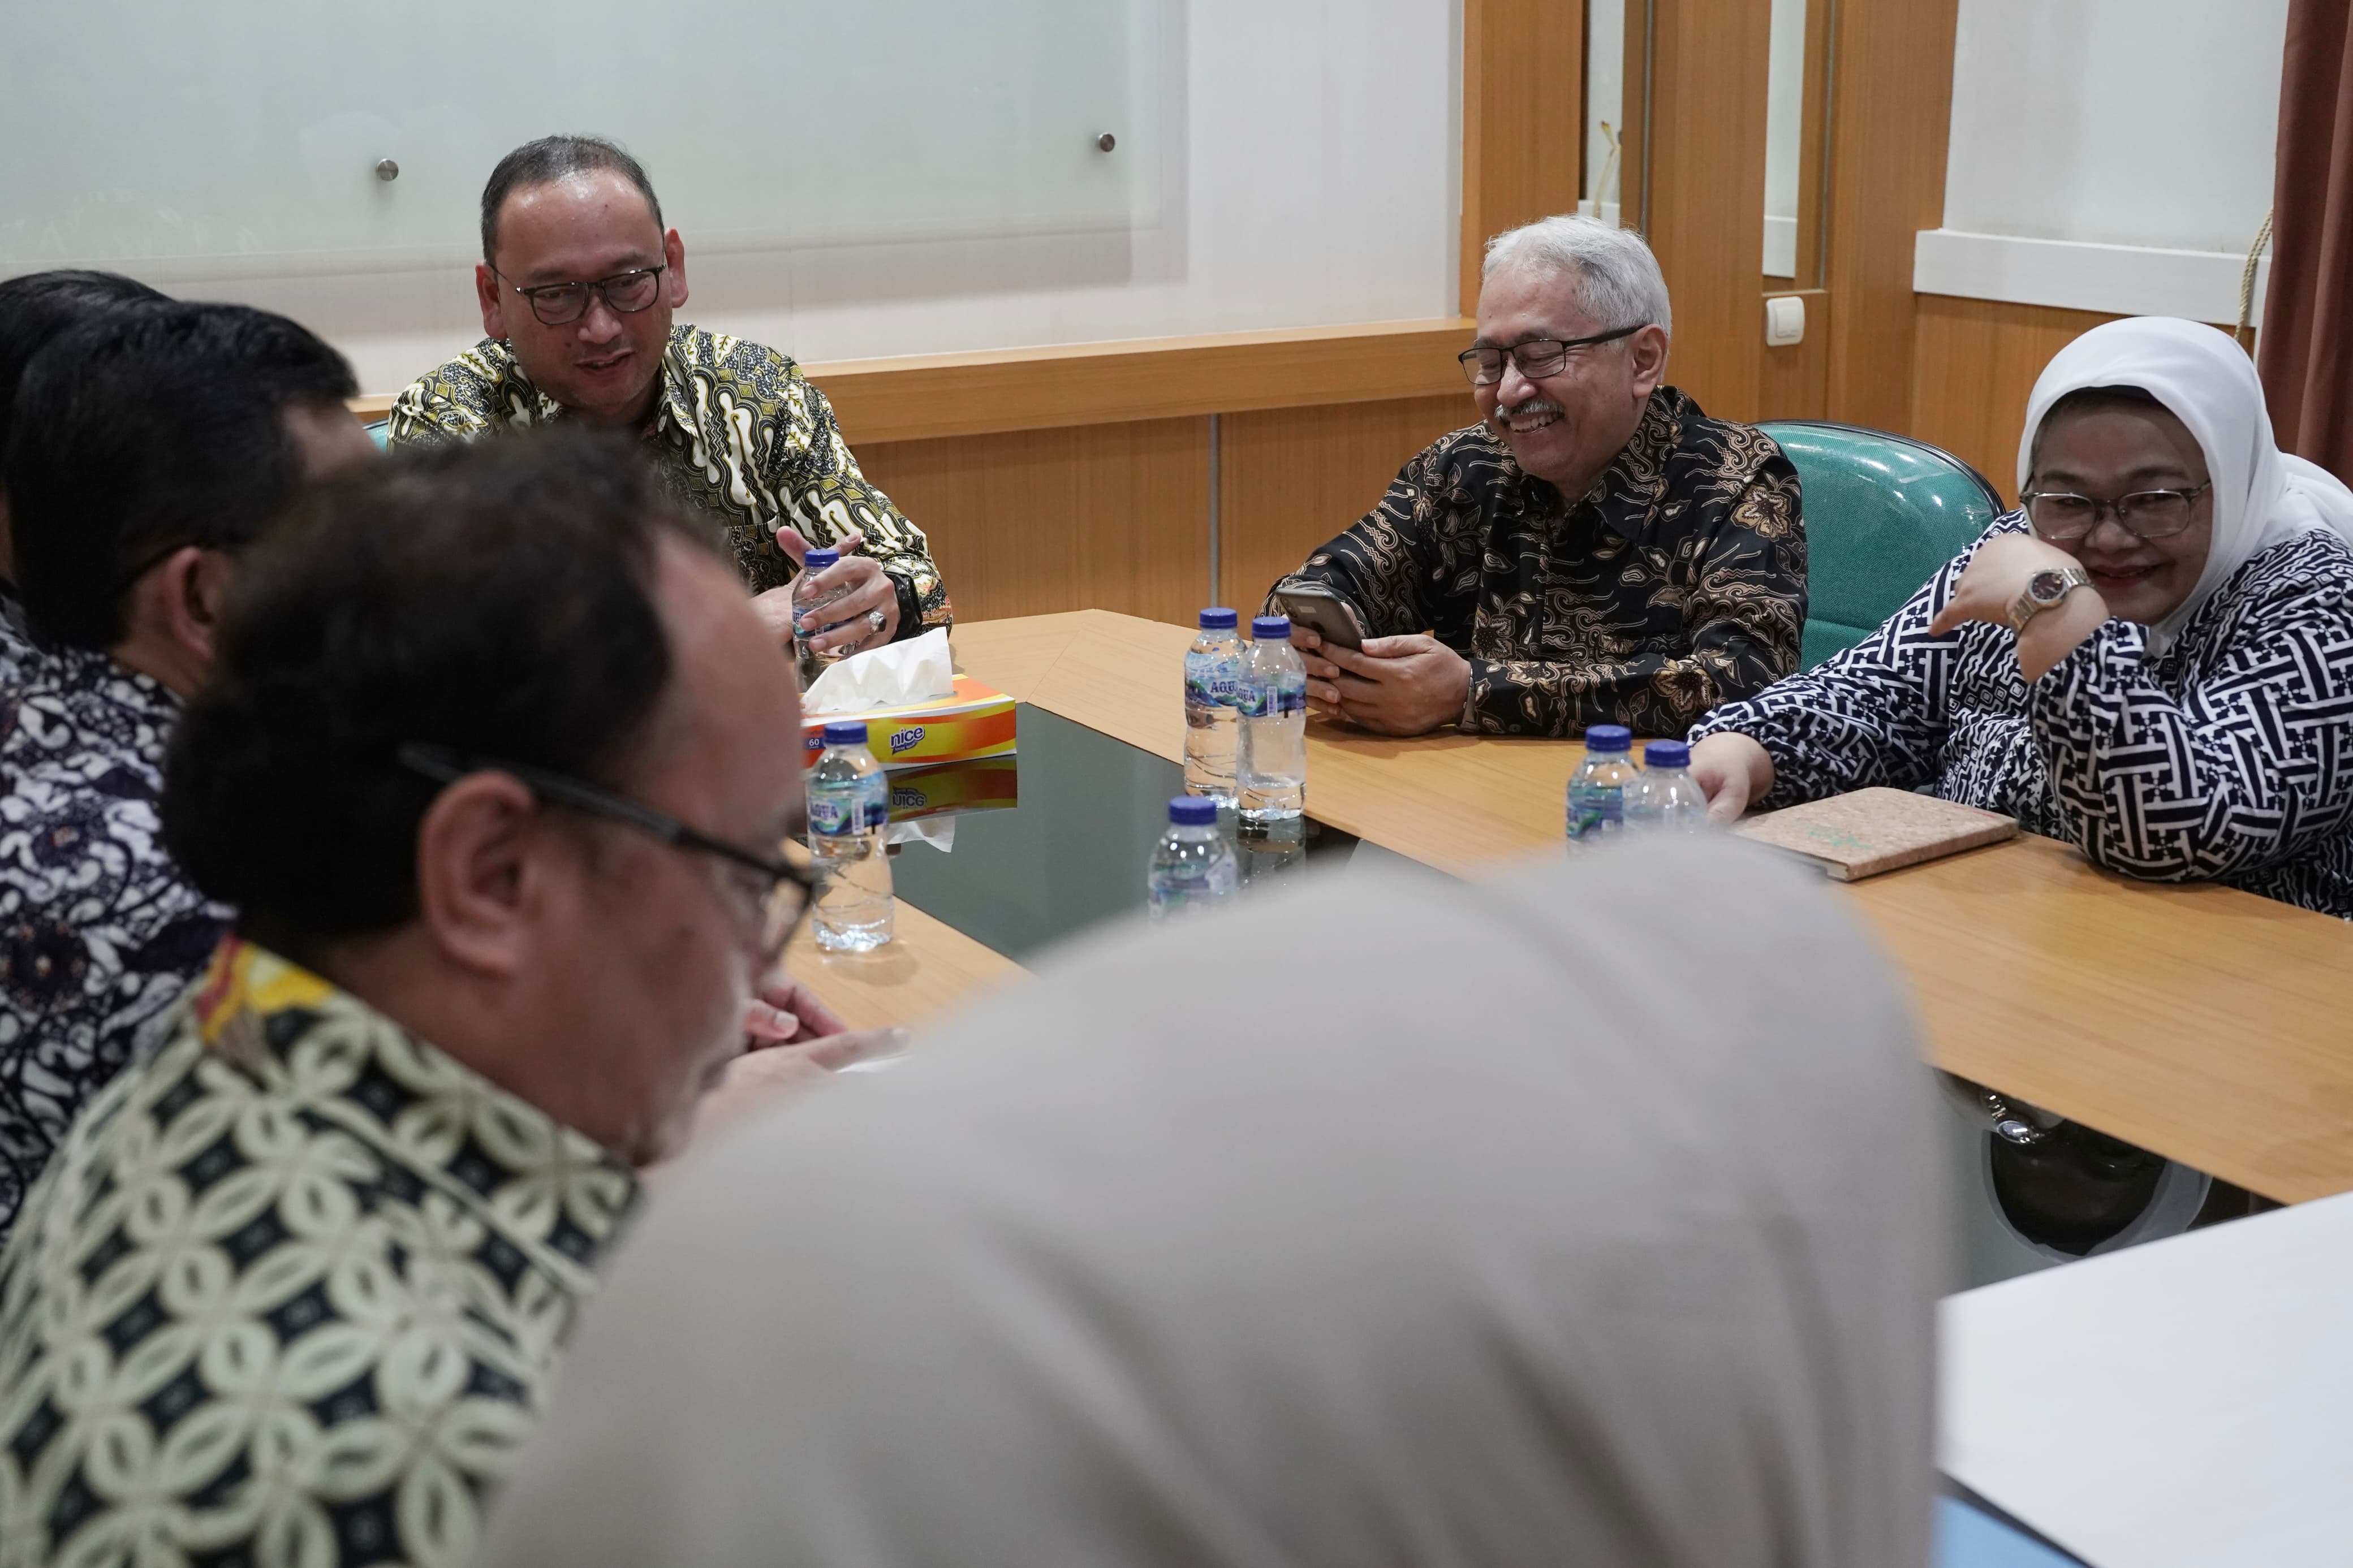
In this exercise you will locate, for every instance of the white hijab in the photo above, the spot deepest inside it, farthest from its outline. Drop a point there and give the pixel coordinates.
(2262, 496)
(1586, 1216)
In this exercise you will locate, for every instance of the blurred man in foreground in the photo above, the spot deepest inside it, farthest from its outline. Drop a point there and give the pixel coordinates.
(494, 770)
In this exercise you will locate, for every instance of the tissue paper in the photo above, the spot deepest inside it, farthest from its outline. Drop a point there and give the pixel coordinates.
(921, 669)
(916, 708)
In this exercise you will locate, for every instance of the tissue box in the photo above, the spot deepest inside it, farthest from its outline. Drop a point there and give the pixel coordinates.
(977, 784)
(976, 721)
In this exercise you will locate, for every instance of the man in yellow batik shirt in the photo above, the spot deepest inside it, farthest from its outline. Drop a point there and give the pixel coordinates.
(577, 283)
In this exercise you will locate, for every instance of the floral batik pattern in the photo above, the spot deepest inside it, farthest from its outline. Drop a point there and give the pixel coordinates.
(741, 437)
(2227, 758)
(1677, 581)
(291, 1294)
(99, 933)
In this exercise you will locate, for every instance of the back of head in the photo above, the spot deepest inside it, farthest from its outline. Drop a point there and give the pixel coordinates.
(140, 432)
(37, 306)
(1544, 1238)
(556, 158)
(1619, 277)
(494, 599)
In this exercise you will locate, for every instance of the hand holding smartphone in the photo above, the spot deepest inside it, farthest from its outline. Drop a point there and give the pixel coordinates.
(1323, 612)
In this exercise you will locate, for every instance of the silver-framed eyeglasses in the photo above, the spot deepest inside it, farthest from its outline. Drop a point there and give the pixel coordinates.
(2062, 516)
(1538, 358)
(561, 304)
(782, 889)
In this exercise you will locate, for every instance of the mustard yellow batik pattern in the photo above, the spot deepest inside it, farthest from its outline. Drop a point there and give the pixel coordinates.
(742, 436)
(290, 1294)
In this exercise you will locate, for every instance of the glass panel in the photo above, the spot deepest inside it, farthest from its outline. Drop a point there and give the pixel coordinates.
(1071, 851)
(1785, 120)
(814, 122)
(1604, 173)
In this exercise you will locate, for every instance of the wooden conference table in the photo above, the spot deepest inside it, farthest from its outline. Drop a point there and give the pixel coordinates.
(2211, 1026)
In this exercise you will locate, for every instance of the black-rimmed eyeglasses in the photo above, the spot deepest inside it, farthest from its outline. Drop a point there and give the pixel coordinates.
(1538, 358)
(561, 304)
(2062, 517)
(784, 891)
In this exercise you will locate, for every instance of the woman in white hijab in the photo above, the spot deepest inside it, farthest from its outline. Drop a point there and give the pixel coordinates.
(2152, 659)
(1565, 1239)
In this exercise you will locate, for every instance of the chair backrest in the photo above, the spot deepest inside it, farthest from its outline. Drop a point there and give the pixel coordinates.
(1883, 512)
(380, 432)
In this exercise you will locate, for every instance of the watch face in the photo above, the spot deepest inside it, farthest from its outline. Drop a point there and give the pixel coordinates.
(2048, 587)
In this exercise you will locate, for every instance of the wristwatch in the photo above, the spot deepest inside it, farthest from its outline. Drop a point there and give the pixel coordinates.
(2047, 590)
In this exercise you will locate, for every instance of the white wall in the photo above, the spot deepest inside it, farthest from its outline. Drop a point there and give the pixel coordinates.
(2109, 154)
(1312, 178)
(2145, 122)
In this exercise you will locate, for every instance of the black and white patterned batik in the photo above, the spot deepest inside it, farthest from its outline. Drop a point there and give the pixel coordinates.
(98, 932)
(2227, 758)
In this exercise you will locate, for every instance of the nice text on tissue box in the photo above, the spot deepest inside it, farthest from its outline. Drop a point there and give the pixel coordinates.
(976, 721)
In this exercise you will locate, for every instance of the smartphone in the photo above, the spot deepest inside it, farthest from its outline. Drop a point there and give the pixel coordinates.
(1323, 612)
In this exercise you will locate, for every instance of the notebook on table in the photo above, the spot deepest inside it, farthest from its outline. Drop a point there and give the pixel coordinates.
(1867, 831)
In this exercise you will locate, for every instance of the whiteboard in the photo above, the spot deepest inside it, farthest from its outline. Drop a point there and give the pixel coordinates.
(242, 138)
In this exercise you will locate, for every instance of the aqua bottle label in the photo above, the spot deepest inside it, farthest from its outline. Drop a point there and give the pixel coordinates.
(1273, 696)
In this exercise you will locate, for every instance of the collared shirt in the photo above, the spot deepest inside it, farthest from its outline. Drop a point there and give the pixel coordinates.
(99, 933)
(1677, 581)
(291, 1292)
(742, 436)
(2227, 758)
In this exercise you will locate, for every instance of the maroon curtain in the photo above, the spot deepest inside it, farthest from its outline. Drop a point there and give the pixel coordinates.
(2305, 349)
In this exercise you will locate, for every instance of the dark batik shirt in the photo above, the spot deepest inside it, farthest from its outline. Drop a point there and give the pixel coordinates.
(99, 933)
(741, 437)
(292, 1293)
(2227, 758)
(1676, 582)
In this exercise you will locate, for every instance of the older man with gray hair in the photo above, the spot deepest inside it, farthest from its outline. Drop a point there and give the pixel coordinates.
(1594, 551)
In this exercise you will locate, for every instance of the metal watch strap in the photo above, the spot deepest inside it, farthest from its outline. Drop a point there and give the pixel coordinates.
(2026, 606)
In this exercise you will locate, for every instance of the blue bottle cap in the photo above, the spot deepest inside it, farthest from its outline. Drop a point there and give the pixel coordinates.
(819, 560)
(1666, 754)
(846, 732)
(1219, 619)
(1193, 811)
(1608, 738)
(1270, 629)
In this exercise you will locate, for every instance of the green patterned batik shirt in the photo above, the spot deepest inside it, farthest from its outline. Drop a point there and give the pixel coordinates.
(742, 436)
(290, 1293)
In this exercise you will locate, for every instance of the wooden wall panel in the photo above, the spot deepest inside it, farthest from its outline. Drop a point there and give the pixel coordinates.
(1291, 478)
(1890, 107)
(1701, 163)
(1975, 362)
(1022, 523)
(1523, 101)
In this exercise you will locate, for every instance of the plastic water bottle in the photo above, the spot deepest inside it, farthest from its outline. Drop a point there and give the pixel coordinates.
(1271, 698)
(807, 601)
(1597, 790)
(849, 806)
(1664, 798)
(1193, 865)
(1212, 665)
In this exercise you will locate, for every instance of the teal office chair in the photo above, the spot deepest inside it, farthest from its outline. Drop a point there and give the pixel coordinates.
(1883, 512)
(380, 432)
